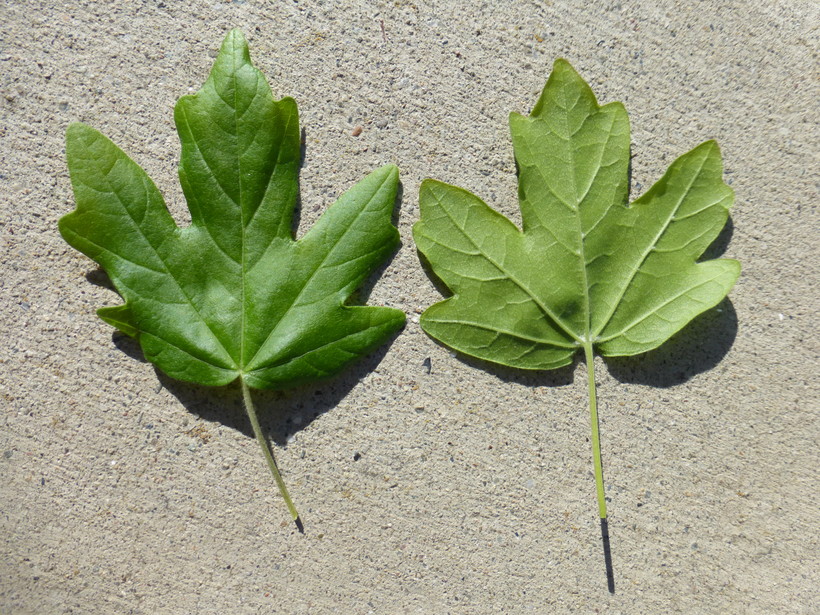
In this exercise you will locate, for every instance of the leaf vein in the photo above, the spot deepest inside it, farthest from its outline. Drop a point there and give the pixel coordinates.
(312, 275)
(650, 248)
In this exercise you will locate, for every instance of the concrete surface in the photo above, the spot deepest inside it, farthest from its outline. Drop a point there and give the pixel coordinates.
(466, 490)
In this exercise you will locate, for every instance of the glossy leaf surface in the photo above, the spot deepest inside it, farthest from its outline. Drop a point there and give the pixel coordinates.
(233, 295)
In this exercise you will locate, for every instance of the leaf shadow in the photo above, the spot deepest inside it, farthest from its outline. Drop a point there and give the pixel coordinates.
(396, 215)
(526, 377)
(281, 413)
(436, 281)
(128, 345)
(698, 347)
(99, 277)
(721, 243)
(296, 216)
(361, 295)
(695, 349)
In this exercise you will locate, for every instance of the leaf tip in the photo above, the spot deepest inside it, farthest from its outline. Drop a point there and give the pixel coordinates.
(734, 267)
(562, 75)
(710, 150)
(713, 146)
(120, 318)
(77, 131)
(75, 128)
(235, 38)
(427, 184)
(391, 172)
(234, 45)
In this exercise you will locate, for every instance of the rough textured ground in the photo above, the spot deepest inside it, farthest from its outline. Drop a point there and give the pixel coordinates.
(471, 490)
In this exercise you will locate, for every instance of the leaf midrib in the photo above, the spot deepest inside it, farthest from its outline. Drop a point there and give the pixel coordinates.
(238, 202)
(307, 282)
(585, 338)
(243, 307)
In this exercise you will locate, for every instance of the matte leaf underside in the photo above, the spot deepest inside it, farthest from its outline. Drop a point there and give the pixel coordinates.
(588, 271)
(586, 268)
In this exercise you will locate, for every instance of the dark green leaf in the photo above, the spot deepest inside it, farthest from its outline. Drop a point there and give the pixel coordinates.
(233, 296)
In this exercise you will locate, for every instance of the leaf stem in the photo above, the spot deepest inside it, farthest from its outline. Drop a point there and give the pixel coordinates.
(266, 450)
(596, 440)
(596, 461)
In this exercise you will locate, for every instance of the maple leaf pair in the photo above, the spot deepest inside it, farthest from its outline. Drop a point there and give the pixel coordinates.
(235, 297)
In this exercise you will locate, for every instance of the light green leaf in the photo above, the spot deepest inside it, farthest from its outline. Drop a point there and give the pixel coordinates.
(233, 296)
(588, 272)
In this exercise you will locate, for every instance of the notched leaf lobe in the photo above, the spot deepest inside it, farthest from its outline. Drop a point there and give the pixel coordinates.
(233, 295)
(586, 267)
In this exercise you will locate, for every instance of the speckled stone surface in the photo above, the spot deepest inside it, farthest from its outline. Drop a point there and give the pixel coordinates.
(468, 489)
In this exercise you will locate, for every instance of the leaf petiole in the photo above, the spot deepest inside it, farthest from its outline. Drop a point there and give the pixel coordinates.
(596, 441)
(596, 461)
(266, 450)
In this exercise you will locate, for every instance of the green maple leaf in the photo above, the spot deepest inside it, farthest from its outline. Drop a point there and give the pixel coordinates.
(588, 273)
(233, 296)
